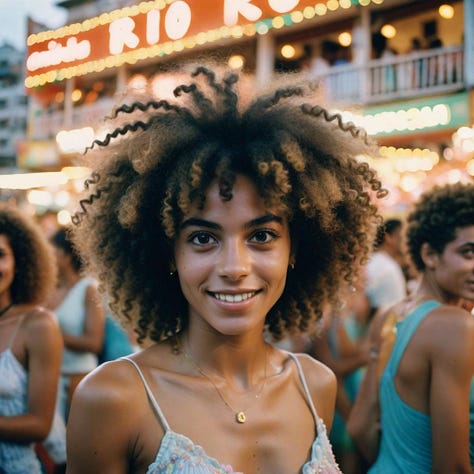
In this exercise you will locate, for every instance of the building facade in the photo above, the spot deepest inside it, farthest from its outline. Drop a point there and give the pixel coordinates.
(13, 104)
(404, 70)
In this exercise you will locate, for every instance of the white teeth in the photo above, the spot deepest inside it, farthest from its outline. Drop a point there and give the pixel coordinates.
(233, 298)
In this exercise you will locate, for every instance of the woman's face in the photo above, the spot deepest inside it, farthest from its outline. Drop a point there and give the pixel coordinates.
(454, 269)
(7, 264)
(232, 259)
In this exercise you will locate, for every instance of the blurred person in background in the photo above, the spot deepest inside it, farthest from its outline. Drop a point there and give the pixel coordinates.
(30, 344)
(341, 345)
(414, 411)
(385, 280)
(81, 315)
(119, 341)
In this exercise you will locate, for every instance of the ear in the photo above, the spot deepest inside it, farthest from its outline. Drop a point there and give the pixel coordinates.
(429, 256)
(292, 260)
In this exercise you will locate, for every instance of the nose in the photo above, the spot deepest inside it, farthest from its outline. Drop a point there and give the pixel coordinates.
(234, 260)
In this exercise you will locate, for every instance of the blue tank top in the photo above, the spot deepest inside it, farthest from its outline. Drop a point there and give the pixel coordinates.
(406, 445)
(179, 455)
(15, 458)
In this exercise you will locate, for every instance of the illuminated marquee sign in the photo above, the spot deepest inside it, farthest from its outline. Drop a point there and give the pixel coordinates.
(443, 112)
(154, 28)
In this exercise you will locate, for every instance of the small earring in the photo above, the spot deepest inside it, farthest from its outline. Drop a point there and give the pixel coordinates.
(292, 266)
(172, 273)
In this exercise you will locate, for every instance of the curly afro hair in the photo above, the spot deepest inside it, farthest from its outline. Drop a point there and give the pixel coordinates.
(436, 216)
(302, 159)
(35, 265)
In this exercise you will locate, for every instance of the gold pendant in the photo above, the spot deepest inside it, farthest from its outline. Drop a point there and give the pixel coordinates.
(240, 417)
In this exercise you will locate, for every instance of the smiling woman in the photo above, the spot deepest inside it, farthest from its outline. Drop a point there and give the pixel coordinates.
(209, 224)
(30, 346)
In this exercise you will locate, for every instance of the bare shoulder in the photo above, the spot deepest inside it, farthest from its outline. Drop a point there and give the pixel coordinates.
(38, 320)
(322, 386)
(110, 386)
(109, 414)
(315, 370)
(450, 328)
(93, 289)
(103, 400)
(36, 314)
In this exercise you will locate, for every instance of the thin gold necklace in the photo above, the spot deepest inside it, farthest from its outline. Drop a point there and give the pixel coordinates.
(240, 415)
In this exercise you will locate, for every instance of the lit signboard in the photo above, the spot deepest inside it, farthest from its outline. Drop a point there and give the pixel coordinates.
(154, 28)
(442, 112)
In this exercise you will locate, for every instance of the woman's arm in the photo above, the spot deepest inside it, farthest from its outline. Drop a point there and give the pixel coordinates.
(349, 356)
(92, 338)
(43, 353)
(100, 437)
(452, 371)
(363, 424)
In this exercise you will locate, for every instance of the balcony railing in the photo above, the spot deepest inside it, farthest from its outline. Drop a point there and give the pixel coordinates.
(411, 75)
(47, 123)
(405, 76)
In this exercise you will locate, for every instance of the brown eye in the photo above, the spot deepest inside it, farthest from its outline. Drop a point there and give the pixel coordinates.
(202, 238)
(263, 236)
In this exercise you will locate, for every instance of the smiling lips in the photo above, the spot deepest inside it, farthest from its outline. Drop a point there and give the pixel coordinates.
(233, 297)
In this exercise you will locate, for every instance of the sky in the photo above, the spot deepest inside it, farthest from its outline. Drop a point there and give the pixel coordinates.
(13, 15)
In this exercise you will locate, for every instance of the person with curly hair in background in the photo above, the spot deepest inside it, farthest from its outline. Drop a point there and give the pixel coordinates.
(415, 407)
(81, 316)
(210, 224)
(30, 343)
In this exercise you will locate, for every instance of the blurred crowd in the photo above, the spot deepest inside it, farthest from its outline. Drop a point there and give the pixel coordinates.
(42, 271)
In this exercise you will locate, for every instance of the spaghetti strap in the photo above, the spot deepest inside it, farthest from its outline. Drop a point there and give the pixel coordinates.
(306, 391)
(151, 397)
(12, 338)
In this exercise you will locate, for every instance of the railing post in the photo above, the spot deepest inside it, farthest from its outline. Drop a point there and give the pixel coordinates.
(265, 59)
(469, 43)
(362, 49)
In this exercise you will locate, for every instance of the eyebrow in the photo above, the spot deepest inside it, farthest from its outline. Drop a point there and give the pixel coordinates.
(196, 222)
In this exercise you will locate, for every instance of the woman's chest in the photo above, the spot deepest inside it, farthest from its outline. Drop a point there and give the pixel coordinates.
(272, 439)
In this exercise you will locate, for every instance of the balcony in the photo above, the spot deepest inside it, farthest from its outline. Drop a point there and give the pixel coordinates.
(420, 74)
(47, 123)
(437, 71)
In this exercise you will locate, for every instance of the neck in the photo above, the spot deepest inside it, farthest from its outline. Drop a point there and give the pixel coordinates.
(389, 251)
(69, 279)
(428, 289)
(242, 365)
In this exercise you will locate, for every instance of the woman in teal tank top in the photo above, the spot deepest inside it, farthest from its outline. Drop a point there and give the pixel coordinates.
(214, 221)
(414, 413)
